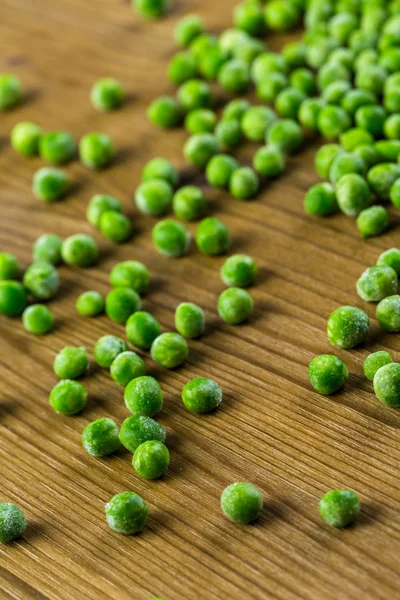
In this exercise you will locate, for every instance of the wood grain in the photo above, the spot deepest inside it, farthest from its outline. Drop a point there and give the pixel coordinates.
(272, 429)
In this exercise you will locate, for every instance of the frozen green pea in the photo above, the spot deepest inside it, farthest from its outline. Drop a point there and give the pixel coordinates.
(189, 320)
(333, 121)
(41, 280)
(115, 226)
(309, 112)
(142, 329)
(220, 170)
(372, 221)
(210, 62)
(303, 79)
(201, 44)
(394, 193)
(288, 102)
(200, 120)
(371, 118)
(132, 274)
(352, 194)
(9, 266)
(169, 350)
(239, 270)
(320, 200)
(327, 373)
(90, 304)
(392, 83)
(281, 16)
(193, 94)
(381, 178)
(346, 163)
(96, 150)
(389, 60)
(201, 395)
(79, 250)
(107, 94)
(248, 49)
(269, 161)
(234, 76)
(228, 133)
(388, 313)
(171, 238)
(330, 73)
(235, 305)
(37, 319)
(371, 78)
(235, 109)
(127, 513)
(368, 154)
(267, 63)
(13, 298)
(47, 248)
(151, 459)
(68, 397)
(71, 362)
(390, 258)
(121, 303)
(10, 91)
(212, 237)
(154, 197)
(355, 99)
(391, 127)
(136, 430)
(200, 148)
(12, 519)
(256, 122)
(25, 138)
(342, 25)
(269, 88)
(387, 384)
(244, 183)
(325, 157)
(352, 138)
(127, 366)
(143, 396)
(339, 508)
(361, 40)
(295, 54)
(347, 327)
(375, 361)
(365, 58)
(160, 168)
(151, 9)
(391, 101)
(335, 92)
(377, 283)
(248, 16)
(101, 437)
(241, 502)
(99, 204)
(50, 184)
(319, 50)
(187, 29)
(189, 203)
(181, 68)
(107, 349)
(286, 134)
(57, 147)
(388, 150)
(164, 112)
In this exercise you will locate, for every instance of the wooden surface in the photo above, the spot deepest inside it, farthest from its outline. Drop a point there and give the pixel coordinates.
(272, 429)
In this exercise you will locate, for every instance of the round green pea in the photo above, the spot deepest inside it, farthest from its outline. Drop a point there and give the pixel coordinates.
(10, 91)
(210, 62)
(71, 362)
(193, 94)
(187, 29)
(286, 134)
(171, 238)
(355, 99)
(57, 147)
(142, 329)
(281, 16)
(96, 150)
(154, 197)
(106, 350)
(371, 78)
(325, 157)
(12, 298)
(101, 437)
(377, 283)
(121, 303)
(235, 305)
(268, 89)
(387, 384)
(303, 80)
(375, 361)
(269, 161)
(220, 169)
(339, 508)
(181, 68)
(248, 16)
(169, 350)
(244, 183)
(164, 112)
(9, 266)
(79, 250)
(390, 258)
(200, 120)
(248, 49)
(126, 366)
(201, 395)
(107, 94)
(391, 127)
(288, 102)
(151, 9)
(321, 200)
(256, 121)
(189, 320)
(388, 313)
(160, 168)
(234, 76)
(90, 304)
(37, 319)
(132, 274)
(267, 63)
(388, 150)
(327, 373)
(295, 54)
(115, 226)
(352, 194)
(12, 519)
(394, 193)
(342, 25)
(68, 397)
(136, 430)
(25, 138)
(212, 237)
(331, 73)
(352, 138)
(143, 396)
(235, 109)
(241, 502)
(151, 459)
(99, 204)
(189, 203)
(47, 248)
(368, 154)
(127, 513)
(309, 112)
(228, 133)
(50, 184)
(335, 92)
(41, 280)
(201, 44)
(333, 121)
(371, 118)
(347, 327)
(200, 148)
(239, 270)
(382, 177)
(346, 163)
(372, 221)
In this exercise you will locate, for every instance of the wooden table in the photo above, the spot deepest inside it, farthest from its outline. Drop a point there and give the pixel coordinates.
(272, 429)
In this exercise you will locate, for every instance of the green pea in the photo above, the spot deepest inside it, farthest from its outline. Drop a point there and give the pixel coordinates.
(228, 133)
(327, 373)
(371, 78)
(249, 18)
(37, 319)
(341, 26)
(235, 305)
(352, 138)
(25, 138)
(12, 519)
(68, 397)
(377, 283)
(319, 50)
(41, 280)
(171, 238)
(267, 63)
(288, 102)
(71, 362)
(169, 350)
(50, 184)
(187, 29)
(164, 112)
(200, 148)
(234, 76)
(321, 200)
(244, 183)
(127, 366)
(371, 118)
(151, 9)
(201, 44)
(12, 298)
(281, 16)
(366, 58)
(387, 384)
(212, 237)
(390, 258)
(269, 161)
(361, 40)
(303, 80)
(154, 197)
(235, 109)
(135, 431)
(194, 94)
(101, 438)
(210, 62)
(189, 203)
(391, 101)
(115, 226)
(57, 147)
(375, 361)
(372, 221)
(220, 170)
(391, 127)
(9, 266)
(346, 163)
(348, 327)
(248, 49)
(121, 303)
(151, 459)
(47, 248)
(368, 154)
(388, 313)
(132, 274)
(309, 112)
(189, 320)
(200, 120)
(325, 157)
(268, 89)
(335, 92)
(160, 168)
(143, 396)
(10, 91)
(286, 134)
(142, 329)
(339, 508)
(355, 99)
(127, 513)
(333, 121)
(239, 270)
(201, 395)
(96, 150)
(99, 204)
(107, 349)
(352, 194)
(330, 73)
(295, 54)
(342, 56)
(241, 502)
(79, 250)
(256, 122)
(90, 304)
(394, 193)
(107, 94)
(181, 68)
(382, 177)
(391, 83)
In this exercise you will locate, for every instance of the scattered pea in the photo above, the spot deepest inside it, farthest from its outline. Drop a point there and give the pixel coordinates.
(241, 502)
(268, 89)
(234, 76)
(171, 238)
(160, 168)
(390, 258)
(202, 44)
(107, 94)
(381, 178)
(345, 163)
(309, 112)
(99, 204)
(126, 366)
(335, 92)
(333, 121)
(375, 361)
(339, 508)
(288, 102)
(387, 384)
(143, 396)
(12, 519)
(303, 80)
(96, 150)
(41, 280)
(193, 94)
(121, 303)
(189, 203)
(115, 226)
(249, 17)
(25, 138)
(37, 319)
(200, 120)
(79, 250)
(164, 112)
(394, 193)
(377, 283)
(267, 63)
(388, 313)
(388, 150)
(348, 327)
(201, 395)
(220, 169)
(325, 157)
(352, 138)
(371, 118)
(239, 270)
(90, 304)
(106, 350)
(12, 298)
(181, 68)
(235, 305)
(187, 29)
(189, 320)
(101, 437)
(228, 133)
(154, 197)
(57, 147)
(391, 127)
(371, 78)
(256, 121)
(151, 9)
(244, 183)
(368, 154)
(132, 274)
(50, 184)
(372, 221)
(71, 362)
(355, 99)
(286, 134)
(269, 161)
(10, 91)
(142, 329)
(151, 459)
(281, 16)
(200, 148)
(212, 237)
(169, 350)
(136, 430)
(352, 193)
(47, 248)
(127, 513)
(327, 373)
(68, 397)
(235, 109)
(321, 200)
(9, 266)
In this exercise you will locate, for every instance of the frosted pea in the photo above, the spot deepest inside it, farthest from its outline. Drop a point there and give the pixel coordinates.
(154, 197)
(388, 313)
(37, 319)
(288, 102)
(234, 76)
(361, 40)
(169, 350)
(235, 305)
(189, 203)
(377, 283)
(101, 438)
(187, 29)
(381, 178)
(136, 430)
(372, 221)
(268, 89)
(327, 374)
(79, 250)
(96, 150)
(325, 157)
(12, 298)
(212, 237)
(142, 329)
(143, 396)
(390, 258)
(121, 303)
(320, 200)
(164, 112)
(347, 327)
(181, 67)
(25, 138)
(9, 266)
(194, 94)
(286, 134)
(244, 183)
(189, 320)
(160, 168)
(387, 384)
(368, 154)
(68, 397)
(50, 184)
(228, 133)
(57, 147)
(235, 109)
(354, 137)
(352, 194)
(47, 248)
(151, 459)
(241, 502)
(71, 362)
(90, 304)
(371, 118)
(132, 274)
(99, 204)
(127, 366)
(220, 169)
(200, 120)
(12, 519)
(107, 349)
(269, 161)
(345, 163)
(256, 122)
(41, 280)
(171, 238)
(201, 395)
(339, 508)
(333, 121)
(200, 148)
(309, 112)
(107, 94)
(375, 361)
(249, 18)
(127, 513)
(10, 91)
(239, 270)
(115, 226)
